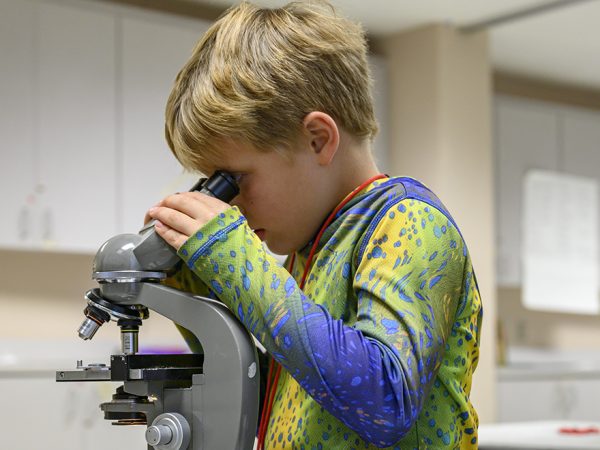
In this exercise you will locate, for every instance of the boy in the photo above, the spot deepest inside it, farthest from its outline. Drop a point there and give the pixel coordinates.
(376, 323)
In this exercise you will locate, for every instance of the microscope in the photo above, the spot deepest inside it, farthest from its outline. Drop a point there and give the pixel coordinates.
(199, 401)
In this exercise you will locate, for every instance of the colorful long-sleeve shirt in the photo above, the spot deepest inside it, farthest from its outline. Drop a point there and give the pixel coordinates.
(379, 347)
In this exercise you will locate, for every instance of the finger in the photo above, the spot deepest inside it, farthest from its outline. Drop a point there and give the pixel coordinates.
(147, 217)
(174, 219)
(208, 199)
(172, 237)
(196, 205)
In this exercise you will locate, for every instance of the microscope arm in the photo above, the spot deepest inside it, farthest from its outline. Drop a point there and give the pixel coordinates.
(230, 375)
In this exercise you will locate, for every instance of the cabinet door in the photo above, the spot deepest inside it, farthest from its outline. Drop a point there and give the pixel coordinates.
(155, 48)
(77, 125)
(42, 413)
(581, 140)
(17, 121)
(532, 400)
(584, 397)
(526, 138)
(552, 399)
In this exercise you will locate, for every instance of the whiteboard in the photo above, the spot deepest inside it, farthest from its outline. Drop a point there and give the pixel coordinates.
(560, 242)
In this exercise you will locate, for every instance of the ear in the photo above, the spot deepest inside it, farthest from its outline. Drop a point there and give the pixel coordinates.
(323, 135)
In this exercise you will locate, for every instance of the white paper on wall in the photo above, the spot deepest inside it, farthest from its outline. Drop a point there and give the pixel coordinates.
(560, 243)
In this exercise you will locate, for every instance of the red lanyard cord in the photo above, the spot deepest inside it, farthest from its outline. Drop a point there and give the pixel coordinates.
(273, 366)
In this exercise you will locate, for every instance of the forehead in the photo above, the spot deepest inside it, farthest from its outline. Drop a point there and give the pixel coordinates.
(227, 154)
(236, 155)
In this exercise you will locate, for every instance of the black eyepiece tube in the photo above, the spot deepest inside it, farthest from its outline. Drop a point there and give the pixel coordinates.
(221, 185)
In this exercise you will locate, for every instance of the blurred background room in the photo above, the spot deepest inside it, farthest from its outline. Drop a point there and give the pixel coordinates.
(493, 104)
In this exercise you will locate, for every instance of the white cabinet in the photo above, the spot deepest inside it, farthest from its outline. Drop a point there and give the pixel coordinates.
(77, 102)
(535, 399)
(583, 397)
(154, 49)
(83, 88)
(581, 137)
(17, 122)
(40, 413)
(57, 125)
(526, 138)
(520, 401)
(536, 135)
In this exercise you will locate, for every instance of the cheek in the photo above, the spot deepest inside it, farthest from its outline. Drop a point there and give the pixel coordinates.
(252, 203)
(272, 200)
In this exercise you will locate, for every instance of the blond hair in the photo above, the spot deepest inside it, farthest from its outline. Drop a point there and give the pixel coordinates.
(257, 73)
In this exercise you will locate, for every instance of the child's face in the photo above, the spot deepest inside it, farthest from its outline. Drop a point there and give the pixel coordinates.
(284, 199)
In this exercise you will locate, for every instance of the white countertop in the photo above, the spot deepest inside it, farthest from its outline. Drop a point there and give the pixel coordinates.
(539, 436)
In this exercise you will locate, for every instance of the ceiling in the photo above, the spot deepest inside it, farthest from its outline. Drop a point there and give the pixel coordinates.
(559, 44)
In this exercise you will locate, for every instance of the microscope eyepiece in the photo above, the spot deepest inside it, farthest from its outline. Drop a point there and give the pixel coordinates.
(221, 185)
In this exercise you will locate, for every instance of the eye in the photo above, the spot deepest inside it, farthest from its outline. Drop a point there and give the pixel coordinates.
(238, 176)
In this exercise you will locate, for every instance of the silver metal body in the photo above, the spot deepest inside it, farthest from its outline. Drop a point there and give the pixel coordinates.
(221, 406)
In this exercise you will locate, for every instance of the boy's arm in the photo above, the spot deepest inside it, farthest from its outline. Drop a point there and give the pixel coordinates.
(374, 375)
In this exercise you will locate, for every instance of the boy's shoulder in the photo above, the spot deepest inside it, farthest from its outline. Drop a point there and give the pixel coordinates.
(395, 189)
(400, 192)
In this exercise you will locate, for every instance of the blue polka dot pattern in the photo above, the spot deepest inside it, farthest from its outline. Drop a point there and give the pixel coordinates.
(380, 347)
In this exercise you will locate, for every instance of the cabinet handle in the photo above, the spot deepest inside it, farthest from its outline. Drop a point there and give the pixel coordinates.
(567, 399)
(571, 402)
(23, 224)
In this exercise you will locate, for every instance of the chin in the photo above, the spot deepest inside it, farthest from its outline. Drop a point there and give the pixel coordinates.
(278, 248)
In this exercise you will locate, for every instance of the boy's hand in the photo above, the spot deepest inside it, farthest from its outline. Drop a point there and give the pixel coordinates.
(180, 215)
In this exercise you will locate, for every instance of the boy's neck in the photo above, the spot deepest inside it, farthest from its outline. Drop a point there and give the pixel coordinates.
(356, 165)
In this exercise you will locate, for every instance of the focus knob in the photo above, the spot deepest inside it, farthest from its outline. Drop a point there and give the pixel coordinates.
(169, 431)
(158, 435)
